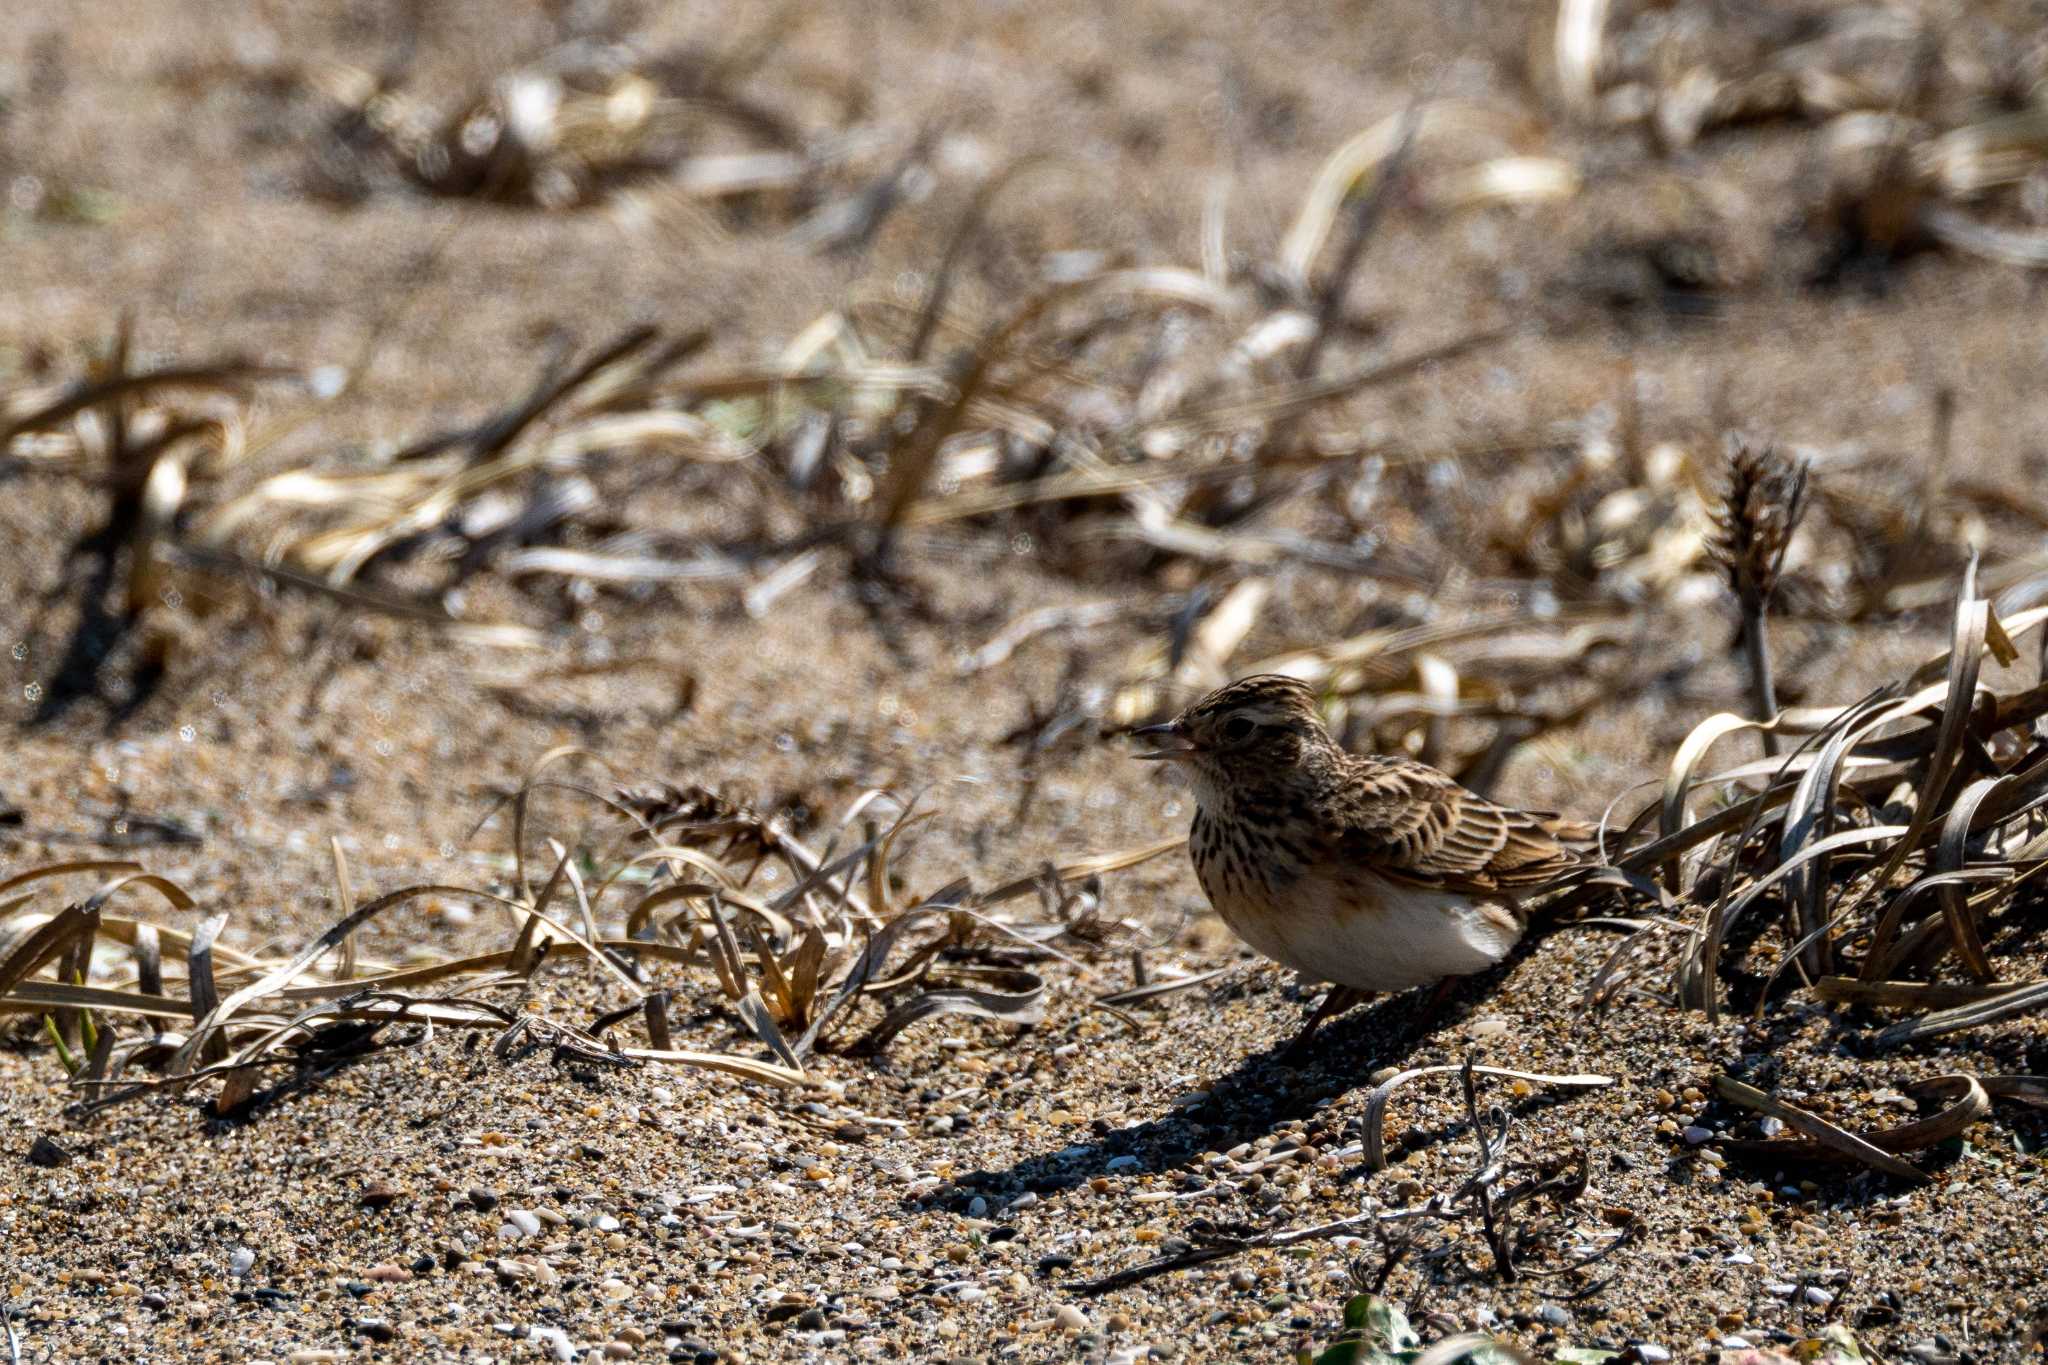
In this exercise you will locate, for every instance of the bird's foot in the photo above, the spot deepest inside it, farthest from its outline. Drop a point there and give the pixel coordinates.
(1335, 1002)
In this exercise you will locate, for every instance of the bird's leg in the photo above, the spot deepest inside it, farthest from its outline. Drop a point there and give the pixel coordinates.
(1339, 999)
(1434, 1006)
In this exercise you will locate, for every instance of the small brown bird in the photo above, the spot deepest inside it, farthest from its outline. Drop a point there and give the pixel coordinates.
(1371, 873)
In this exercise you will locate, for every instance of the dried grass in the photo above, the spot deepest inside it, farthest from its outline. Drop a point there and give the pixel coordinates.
(669, 892)
(677, 142)
(1927, 129)
(1898, 842)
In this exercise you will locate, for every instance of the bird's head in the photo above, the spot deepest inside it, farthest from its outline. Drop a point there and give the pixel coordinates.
(1258, 731)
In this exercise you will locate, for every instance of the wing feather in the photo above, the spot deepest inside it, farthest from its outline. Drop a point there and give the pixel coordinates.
(1407, 821)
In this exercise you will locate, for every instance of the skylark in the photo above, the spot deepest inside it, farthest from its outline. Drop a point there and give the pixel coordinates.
(1371, 873)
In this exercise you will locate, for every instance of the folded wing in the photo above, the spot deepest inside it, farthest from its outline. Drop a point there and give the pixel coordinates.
(1407, 821)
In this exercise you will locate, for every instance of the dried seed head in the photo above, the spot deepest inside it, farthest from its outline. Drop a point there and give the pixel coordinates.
(1753, 526)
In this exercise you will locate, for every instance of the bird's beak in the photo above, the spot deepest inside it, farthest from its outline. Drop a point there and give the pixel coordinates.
(1179, 746)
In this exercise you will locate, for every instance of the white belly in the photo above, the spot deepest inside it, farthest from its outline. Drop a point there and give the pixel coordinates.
(1372, 934)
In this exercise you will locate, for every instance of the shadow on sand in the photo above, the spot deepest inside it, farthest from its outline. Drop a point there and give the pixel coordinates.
(1258, 1095)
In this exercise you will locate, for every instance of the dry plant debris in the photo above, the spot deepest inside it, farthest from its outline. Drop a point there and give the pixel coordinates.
(675, 141)
(1198, 446)
(788, 966)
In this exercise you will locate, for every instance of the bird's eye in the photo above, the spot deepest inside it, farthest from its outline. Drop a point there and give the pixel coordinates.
(1237, 728)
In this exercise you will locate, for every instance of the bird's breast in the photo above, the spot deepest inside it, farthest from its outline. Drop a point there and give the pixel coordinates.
(1335, 921)
(1239, 858)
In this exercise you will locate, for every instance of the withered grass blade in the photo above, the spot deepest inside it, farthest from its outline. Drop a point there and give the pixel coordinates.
(1826, 1136)
(1376, 1103)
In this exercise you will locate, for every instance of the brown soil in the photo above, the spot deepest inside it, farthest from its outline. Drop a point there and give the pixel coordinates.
(782, 1226)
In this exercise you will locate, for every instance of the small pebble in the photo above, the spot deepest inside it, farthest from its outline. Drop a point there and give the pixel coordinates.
(1554, 1316)
(1071, 1319)
(555, 1342)
(524, 1222)
(240, 1261)
(378, 1195)
(1651, 1355)
(387, 1274)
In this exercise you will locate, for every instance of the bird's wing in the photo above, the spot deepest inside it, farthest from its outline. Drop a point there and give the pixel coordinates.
(1407, 821)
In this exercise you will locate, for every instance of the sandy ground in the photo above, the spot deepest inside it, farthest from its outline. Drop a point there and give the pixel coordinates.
(939, 1203)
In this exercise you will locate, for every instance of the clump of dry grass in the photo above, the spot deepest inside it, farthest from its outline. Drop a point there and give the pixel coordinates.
(664, 893)
(677, 139)
(1927, 130)
(148, 438)
(1897, 845)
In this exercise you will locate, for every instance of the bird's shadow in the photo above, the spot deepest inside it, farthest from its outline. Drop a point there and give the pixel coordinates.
(1260, 1093)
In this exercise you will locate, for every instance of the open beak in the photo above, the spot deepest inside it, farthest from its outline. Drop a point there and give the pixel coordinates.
(1178, 745)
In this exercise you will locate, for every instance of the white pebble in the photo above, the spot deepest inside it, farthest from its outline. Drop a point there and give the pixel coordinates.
(1696, 1134)
(240, 1261)
(1071, 1319)
(1818, 1296)
(523, 1221)
(556, 1342)
(1651, 1355)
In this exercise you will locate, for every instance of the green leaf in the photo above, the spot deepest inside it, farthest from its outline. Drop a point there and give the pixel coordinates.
(1838, 1346)
(64, 1057)
(1385, 1325)
(1375, 1333)
(1491, 1353)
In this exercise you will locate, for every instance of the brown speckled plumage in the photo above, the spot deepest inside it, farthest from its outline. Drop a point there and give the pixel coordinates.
(1372, 872)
